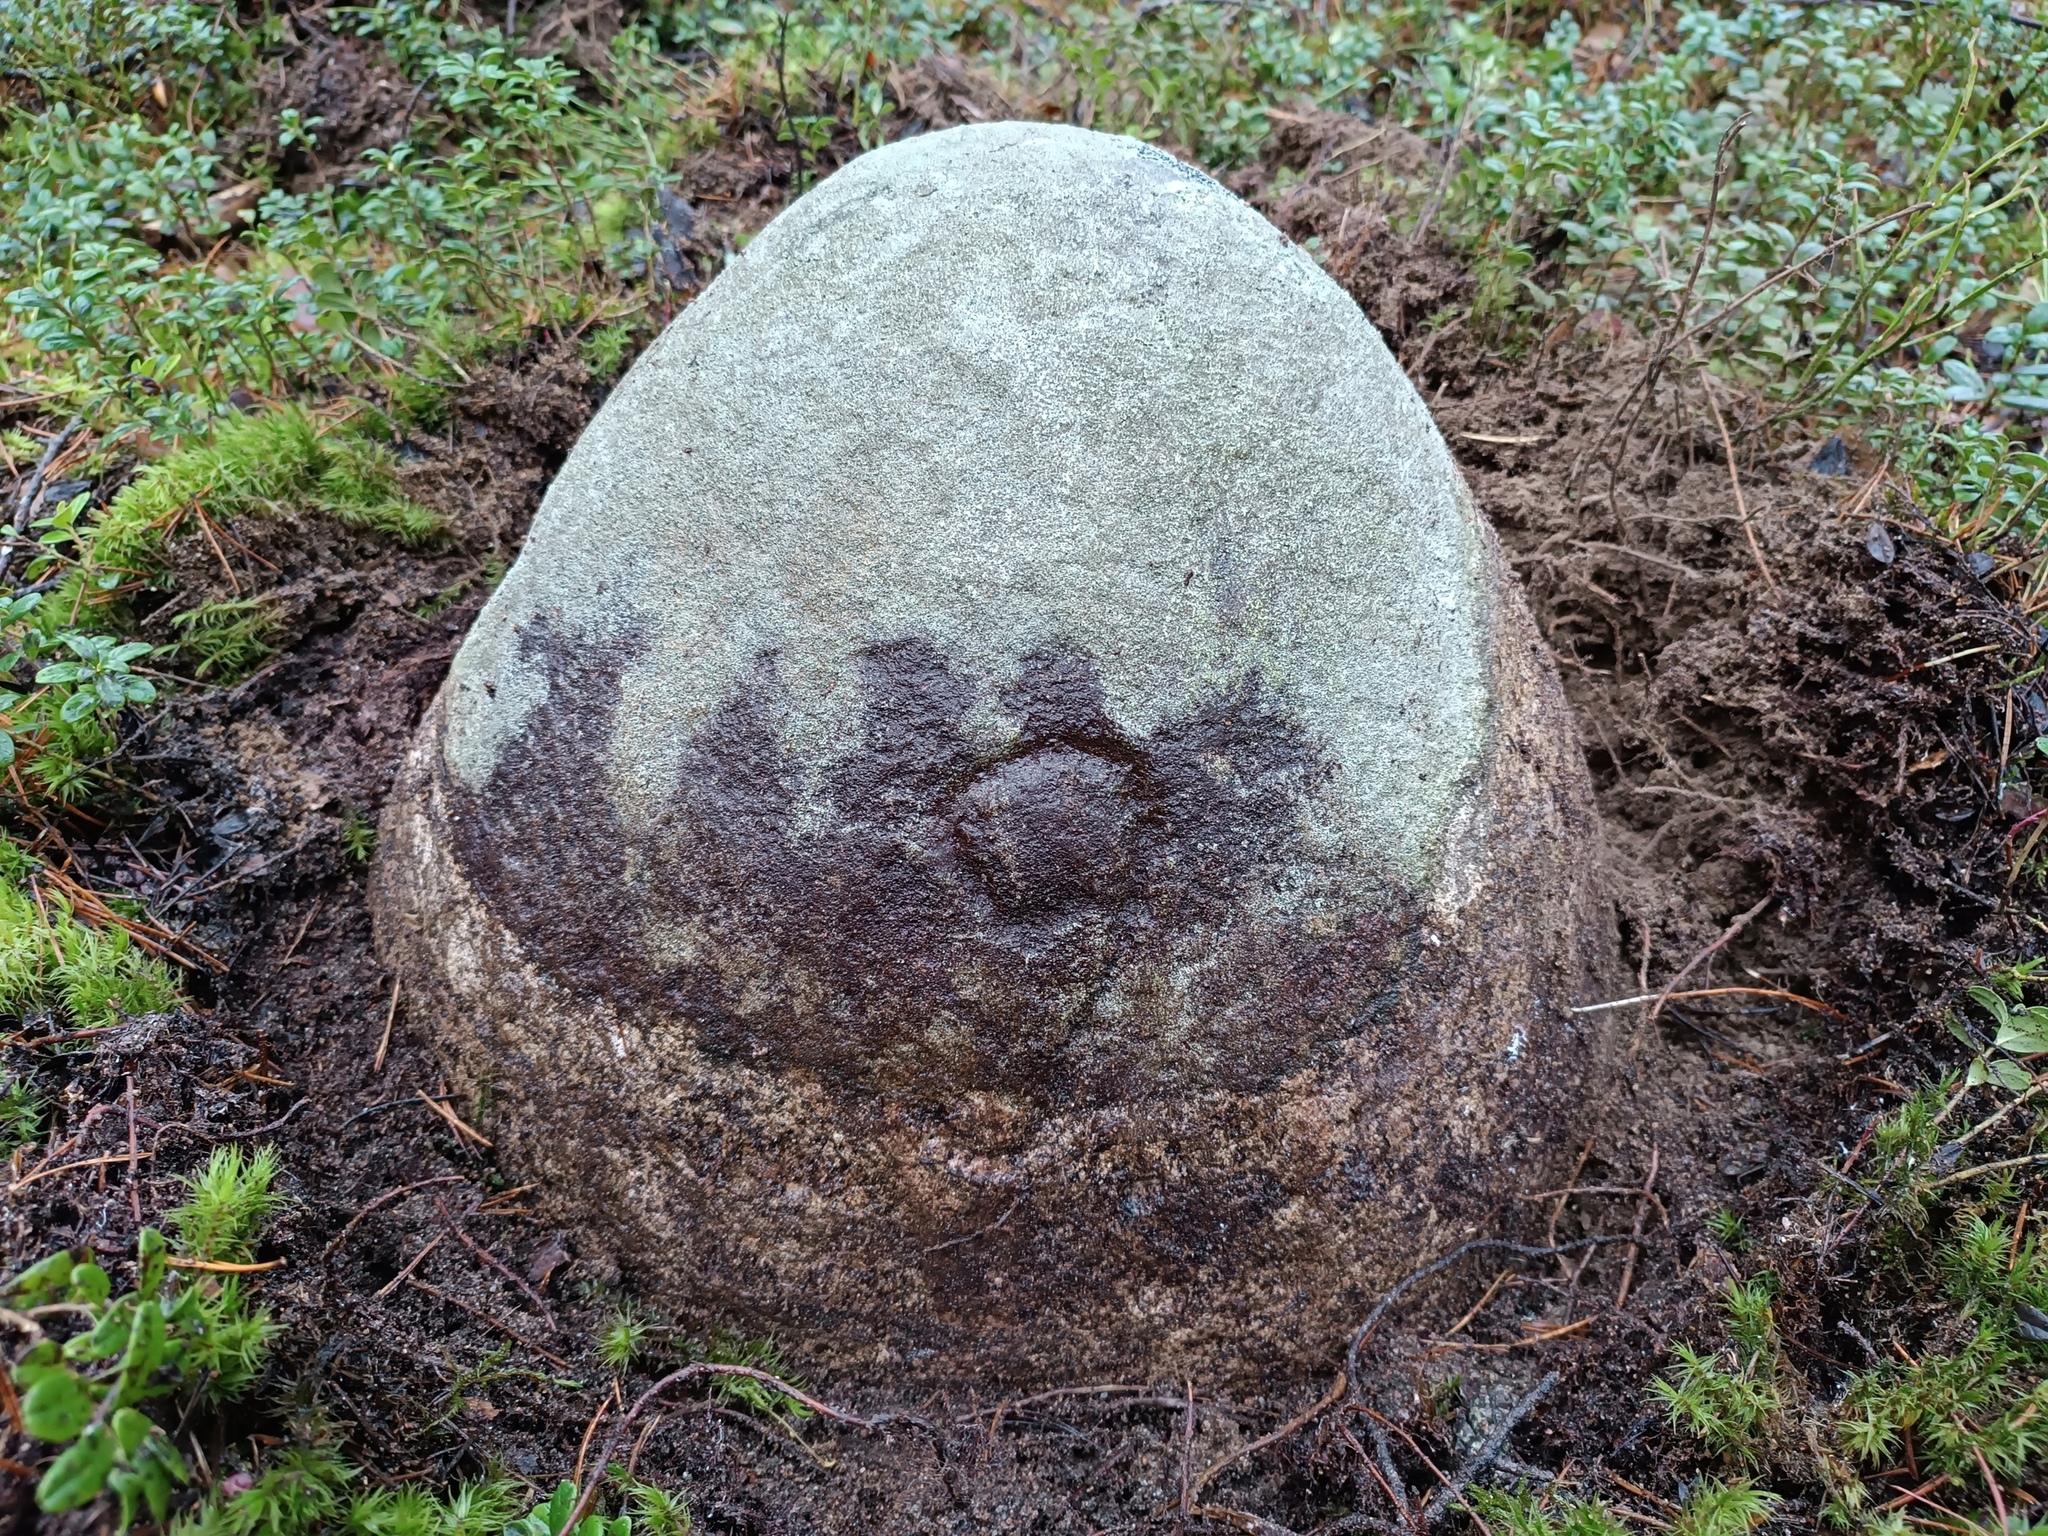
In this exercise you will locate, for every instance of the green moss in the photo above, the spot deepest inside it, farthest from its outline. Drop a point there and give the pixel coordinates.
(1523, 1513)
(357, 486)
(256, 466)
(252, 464)
(225, 639)
(21, 1114)
(227, 1205)
(99, 976)
(106, 977)
(606, 351)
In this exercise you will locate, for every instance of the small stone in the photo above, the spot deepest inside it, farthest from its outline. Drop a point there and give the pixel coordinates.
(1878, 544)
(1832, 459)
(1009, 817)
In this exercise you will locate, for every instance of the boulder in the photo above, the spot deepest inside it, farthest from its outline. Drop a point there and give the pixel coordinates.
(1009, 823)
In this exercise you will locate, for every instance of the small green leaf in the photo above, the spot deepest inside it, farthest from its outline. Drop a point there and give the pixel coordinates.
(150, 1479)
(130, 1430)
(76, 708)
(108, 1337)
(44, 1279)
(57, 1407)
(1989, 1001)
(145, 1352)
(2024, 1032)
(40, 1361)
(2007, 1074)
(77, 1476)
(560, 1506)
(150, 1253)
(90, 1285)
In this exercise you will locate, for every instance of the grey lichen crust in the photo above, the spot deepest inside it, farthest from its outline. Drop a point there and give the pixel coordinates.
(1009, 822)
(1016, 388)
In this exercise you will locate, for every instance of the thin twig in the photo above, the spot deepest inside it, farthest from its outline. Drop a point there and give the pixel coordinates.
(1336, 1391)
(1628, 1268)
(1984, 1168)
(782, 93)
(1388, 1475)
(134, 1182)
(454, 1120)
(1638, 398)
(1479, 1306)
(220, 1267)
(704, 1368)
(90, 1162)
(484, 1317)
(1187, 1451)
(293, 948)
(589, 1429)
(494, 1261)
(1557, 1210)
(383, 1200)
(405, 1274)
(1735, 484)
(390, 1018)
(31, 491)
(1409, 1440)
(1547, 1336)
(1366, 1329)
(1239, 1520)
(1700, 327)
(1687, 969)
(1678, 997)
(209, 1135)
(1604, 1189)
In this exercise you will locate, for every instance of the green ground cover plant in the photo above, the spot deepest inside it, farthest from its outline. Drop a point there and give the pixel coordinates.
(186, 1331)
(90, 977)
(1947, 1192)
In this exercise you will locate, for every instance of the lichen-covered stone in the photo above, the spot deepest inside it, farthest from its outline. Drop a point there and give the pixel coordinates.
(1008, 821)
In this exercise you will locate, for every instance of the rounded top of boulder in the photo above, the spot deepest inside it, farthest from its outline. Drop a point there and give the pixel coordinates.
(1002, 394)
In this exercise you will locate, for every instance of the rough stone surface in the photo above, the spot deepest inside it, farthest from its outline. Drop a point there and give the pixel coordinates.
(1008, 821)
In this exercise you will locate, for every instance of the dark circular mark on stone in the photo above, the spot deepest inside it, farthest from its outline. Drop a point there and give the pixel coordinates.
(1049, 830)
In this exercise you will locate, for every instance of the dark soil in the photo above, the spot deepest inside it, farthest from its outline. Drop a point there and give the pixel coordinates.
(1804, 730)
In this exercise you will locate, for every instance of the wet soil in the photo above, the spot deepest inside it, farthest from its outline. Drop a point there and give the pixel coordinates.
(1793, 702)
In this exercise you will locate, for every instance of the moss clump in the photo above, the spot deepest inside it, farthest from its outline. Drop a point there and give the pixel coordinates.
(256, 465)
(97, 975)
(227, 638)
